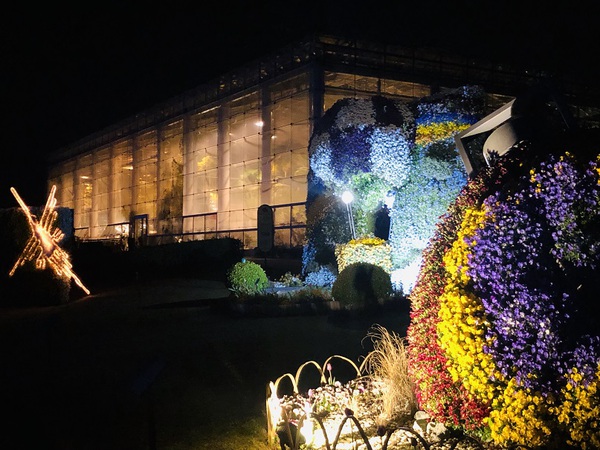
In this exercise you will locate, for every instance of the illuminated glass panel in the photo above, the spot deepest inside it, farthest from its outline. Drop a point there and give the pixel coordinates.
(223, 220)
(101, 173)
(250, 218)
(281, 192)
(299, 163)
(404, 89)
(298, 215)
(290, 128)
(236, 218)
(201, 161)
(250, 239)
(281, 165)
(144, 176)
(281, 216)
(297, 189)
(62, 177)
(281, 139)
(298, 237)
(299, 135)
(252, 199)
(290, 87)
(282, 238)
(239, 173)
(170, 183)
(83, 195)
(122, 171)
(236, 198)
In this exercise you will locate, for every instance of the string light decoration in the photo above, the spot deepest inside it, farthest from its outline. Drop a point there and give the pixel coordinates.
(43, 245)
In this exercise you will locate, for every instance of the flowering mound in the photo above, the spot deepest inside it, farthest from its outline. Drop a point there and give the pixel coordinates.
(503, 337)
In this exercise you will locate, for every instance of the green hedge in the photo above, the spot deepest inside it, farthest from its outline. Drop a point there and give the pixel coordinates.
(362, 285)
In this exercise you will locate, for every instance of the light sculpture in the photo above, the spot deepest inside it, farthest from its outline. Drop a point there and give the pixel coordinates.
(43, 245)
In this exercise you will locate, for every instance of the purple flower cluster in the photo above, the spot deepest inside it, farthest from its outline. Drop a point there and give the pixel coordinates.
(350, 152)
(521, 269)
(569, 198)
(463, 105)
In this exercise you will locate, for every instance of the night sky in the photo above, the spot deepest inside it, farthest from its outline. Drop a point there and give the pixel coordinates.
(67, 72)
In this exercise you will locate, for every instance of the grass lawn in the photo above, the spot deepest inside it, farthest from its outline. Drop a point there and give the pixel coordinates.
(151, 366)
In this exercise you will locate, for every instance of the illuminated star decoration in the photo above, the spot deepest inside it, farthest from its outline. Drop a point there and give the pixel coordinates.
(43, 246)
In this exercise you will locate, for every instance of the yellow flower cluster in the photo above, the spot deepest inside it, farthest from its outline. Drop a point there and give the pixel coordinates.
(368, 249)
(367, 240)
(462, 321)
(438, 131)
(579, 411)
(520, 417)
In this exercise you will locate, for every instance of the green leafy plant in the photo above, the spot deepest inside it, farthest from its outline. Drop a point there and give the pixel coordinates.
(246, 278)
(361, 285)
(290, 280)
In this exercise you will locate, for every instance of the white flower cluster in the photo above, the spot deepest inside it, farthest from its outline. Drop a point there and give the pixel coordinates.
(320, 158)
(437, 169)
(359, 113)
(324, 277)
(390, 155)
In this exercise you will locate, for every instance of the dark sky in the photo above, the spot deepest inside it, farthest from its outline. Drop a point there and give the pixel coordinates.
(67, 71)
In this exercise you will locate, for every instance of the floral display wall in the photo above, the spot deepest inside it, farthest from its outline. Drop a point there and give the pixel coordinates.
(503, 335)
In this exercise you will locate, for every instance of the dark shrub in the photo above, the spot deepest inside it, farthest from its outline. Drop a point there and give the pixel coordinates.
(361, 285)
(33, 287)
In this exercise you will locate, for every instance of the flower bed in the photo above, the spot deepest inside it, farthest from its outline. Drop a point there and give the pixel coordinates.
(374, 410)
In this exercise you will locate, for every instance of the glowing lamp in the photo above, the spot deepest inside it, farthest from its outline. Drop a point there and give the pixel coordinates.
(347, 197)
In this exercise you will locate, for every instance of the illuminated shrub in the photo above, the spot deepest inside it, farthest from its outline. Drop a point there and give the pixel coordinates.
(367, 249)
(361, 285)
(247, 278)
(503, 333)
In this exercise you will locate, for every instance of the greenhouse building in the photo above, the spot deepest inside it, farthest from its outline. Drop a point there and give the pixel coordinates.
(200, 165)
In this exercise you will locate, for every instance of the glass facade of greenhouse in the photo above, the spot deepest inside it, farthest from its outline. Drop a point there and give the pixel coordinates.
(200, 165)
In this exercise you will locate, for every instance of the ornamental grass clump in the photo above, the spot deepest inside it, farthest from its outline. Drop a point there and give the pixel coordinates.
(387, 365)
(503, 335)
(246, 278)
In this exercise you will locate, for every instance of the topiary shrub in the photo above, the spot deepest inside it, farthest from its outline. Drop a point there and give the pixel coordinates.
(361, 285)
(247, 278)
